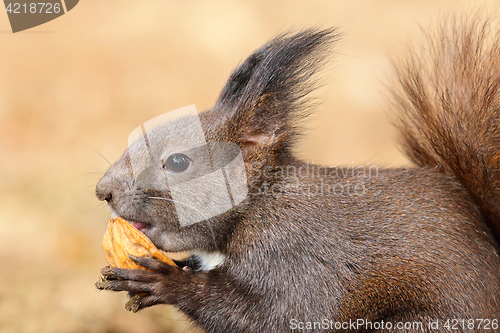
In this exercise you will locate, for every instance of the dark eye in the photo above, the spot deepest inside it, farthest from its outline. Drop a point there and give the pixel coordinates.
(177, 163)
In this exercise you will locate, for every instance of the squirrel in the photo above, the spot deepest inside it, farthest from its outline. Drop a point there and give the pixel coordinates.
(402, 245)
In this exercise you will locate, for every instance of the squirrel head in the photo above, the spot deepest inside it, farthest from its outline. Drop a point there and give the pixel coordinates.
(259, 111)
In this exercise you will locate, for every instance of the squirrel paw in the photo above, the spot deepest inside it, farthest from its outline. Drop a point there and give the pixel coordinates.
(146, 288)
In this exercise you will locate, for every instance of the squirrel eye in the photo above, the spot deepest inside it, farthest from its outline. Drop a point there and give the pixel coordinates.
(177, 163)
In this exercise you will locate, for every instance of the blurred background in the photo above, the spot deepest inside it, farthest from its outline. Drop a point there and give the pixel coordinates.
(71, 91)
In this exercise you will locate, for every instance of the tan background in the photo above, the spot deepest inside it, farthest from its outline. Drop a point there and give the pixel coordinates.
(72, 90)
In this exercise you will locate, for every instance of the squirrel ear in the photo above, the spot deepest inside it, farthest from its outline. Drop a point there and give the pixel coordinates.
(266, 96)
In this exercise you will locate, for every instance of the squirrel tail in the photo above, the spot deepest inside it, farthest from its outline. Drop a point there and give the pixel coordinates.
(448, 100)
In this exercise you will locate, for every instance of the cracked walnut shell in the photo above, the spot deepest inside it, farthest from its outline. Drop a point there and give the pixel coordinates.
(123, 239)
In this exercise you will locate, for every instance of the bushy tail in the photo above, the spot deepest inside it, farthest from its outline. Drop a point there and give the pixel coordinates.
(449, 102)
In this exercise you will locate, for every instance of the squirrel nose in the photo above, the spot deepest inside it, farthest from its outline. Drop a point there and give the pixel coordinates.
(103, 190)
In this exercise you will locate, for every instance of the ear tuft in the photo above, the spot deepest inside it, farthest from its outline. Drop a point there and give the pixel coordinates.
(267, 95)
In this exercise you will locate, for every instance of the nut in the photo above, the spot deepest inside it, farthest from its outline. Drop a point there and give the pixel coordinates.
(123, 239)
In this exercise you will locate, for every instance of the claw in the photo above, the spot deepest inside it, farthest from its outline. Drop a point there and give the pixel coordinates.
(108, 273)
(132, 304)
(101, 284)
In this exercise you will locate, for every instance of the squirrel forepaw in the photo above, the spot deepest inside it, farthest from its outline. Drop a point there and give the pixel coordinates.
(156, 285)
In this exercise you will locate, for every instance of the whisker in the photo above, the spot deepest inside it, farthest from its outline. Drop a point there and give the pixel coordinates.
(98, 153)
(93, 167)
(94, 173)
(100, 206)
